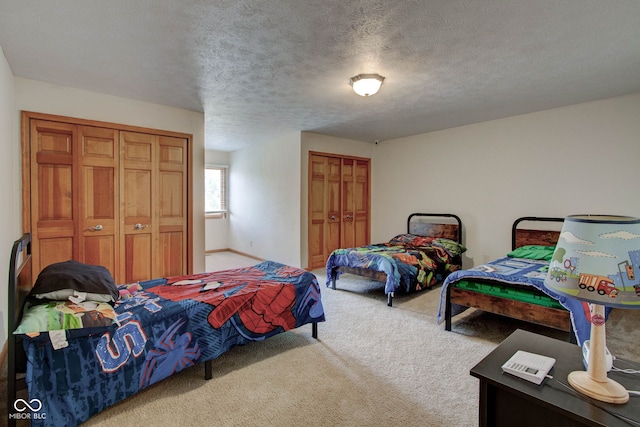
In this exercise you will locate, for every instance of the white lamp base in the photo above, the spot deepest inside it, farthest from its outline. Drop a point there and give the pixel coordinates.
(594, 382)
(608, 391)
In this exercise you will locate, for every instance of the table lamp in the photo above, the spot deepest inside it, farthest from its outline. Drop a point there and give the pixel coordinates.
(597, 260)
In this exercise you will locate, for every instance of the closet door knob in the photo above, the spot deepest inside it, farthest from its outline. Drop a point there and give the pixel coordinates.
(139, 226)
(96, 228)
(333, 217)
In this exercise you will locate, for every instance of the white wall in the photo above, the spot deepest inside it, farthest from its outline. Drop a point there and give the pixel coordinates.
(572, 160)
(216, 229)
(268, 196)
(10, 190)
(52, 99)
(264, 202)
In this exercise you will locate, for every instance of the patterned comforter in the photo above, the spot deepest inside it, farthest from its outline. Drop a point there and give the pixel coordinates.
(411, 263)
(165, 326)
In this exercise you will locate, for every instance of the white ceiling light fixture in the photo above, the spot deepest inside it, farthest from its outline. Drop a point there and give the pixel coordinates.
(366, 84)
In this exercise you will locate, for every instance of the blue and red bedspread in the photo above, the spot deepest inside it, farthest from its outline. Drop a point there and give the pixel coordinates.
(411, 263)
(165, 326)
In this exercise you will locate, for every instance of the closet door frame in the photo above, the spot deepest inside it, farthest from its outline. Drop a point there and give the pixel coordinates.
(28, 116)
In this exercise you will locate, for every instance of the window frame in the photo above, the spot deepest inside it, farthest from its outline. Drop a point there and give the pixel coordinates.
(222, 213)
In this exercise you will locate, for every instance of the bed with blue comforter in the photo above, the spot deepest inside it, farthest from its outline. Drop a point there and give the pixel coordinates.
(512, 286)
(413, 261)
(160, 327)
(520, 272)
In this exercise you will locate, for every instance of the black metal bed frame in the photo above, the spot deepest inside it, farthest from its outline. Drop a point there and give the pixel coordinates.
(16, 358)
(390, 296)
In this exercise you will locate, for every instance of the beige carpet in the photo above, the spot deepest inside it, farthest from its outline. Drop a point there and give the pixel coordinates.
(373, 365)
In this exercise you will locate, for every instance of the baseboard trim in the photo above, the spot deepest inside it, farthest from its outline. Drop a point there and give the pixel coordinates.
(213, 251)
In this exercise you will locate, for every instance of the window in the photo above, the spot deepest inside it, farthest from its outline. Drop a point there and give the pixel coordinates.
(215, 191)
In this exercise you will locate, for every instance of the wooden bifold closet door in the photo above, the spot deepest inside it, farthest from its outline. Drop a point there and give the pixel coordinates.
(153, 187)
(106, 194)
(339, 204)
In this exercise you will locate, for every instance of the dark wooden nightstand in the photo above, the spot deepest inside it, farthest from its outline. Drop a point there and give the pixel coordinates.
(506, 400)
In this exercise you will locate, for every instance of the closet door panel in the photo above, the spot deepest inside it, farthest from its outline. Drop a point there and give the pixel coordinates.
(137, 195)
(172, 206)
(54, 250)
(137, 198)
(317, 215)
(333, 209)
(172, 258)
(98, 198)
(361, 202)
(53, 192)
(137, 247)
(348, 223)
(101, 250)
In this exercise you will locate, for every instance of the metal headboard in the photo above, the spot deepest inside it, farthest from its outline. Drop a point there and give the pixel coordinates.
(549, 237)
(458, 225)
(20, 262)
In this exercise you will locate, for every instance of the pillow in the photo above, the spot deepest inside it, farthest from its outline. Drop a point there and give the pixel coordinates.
(452, 247)
(76, 281)
(58, 315)
(410, 239)
(536, 252)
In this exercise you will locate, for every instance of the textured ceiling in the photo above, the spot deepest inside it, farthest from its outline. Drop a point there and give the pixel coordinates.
(259, 68)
